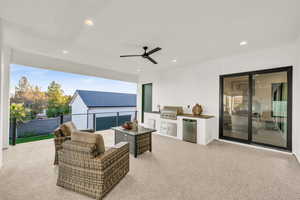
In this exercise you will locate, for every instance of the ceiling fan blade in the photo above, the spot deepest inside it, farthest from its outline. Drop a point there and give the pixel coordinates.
(154, 50)
(123, 56)
(149, 58)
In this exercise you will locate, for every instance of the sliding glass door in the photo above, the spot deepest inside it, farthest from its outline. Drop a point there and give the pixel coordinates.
(256, 107)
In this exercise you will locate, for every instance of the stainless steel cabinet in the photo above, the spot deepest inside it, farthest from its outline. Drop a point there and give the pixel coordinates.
(168, 128)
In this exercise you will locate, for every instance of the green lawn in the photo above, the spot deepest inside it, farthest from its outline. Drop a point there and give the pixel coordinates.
(32, 139)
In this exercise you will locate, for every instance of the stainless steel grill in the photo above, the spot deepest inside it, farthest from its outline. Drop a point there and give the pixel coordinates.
(171, 112)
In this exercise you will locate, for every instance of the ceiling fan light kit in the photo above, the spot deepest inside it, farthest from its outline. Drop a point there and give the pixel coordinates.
(145, 55)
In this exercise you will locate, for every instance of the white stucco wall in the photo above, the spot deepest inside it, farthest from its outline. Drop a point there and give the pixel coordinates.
(79, 113)
(188, 85)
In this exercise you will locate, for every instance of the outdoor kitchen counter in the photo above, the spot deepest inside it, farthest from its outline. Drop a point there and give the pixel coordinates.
(188, 115)
(206, 126)
(196, 116)
(154, 112)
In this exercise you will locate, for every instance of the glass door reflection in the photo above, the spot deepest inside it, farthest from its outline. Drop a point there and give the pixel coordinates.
(236, 107)
(269, 108)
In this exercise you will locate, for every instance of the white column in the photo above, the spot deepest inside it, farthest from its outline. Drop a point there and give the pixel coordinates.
(1, 116)
(4, 94)
(5, 82)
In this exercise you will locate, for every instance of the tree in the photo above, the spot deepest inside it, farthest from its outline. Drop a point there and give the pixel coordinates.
(22, 92)
(35, 100)
(23, 85)
(32, 97)
(39, 100)
(58, 103)
(18, 112)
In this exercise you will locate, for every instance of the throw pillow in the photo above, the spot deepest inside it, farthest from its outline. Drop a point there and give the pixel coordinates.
(67, 128)
(90, 138)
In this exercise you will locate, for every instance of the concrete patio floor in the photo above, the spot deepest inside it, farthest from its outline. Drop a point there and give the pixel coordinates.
(175, 170)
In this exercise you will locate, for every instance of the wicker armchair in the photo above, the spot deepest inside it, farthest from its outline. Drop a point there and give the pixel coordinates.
(62, 134)
(81, 171)
(58, 141)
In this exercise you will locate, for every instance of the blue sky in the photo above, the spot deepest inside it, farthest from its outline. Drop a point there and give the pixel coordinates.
(69, 82)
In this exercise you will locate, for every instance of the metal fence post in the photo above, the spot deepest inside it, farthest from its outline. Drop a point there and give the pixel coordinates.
(61, 119)
(117, 121)
(135, 115)
(94, 122)
(14, 131)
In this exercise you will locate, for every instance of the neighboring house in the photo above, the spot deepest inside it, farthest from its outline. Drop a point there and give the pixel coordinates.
(42, 115)
(104, 106)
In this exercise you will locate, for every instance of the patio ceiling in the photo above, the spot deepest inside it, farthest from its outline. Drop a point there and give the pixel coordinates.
(189, 31)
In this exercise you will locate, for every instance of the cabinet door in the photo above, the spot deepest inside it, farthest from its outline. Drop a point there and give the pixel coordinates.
(172, 129)
(163, 127)
(151, 123)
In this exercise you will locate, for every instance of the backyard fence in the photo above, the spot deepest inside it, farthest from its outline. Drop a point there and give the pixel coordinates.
(35, 127)
(95, 121)
(103, 120)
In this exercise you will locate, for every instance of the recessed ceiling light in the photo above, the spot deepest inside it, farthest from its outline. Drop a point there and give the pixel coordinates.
(65, 51)
(243, 43)
(89, 22)
(174, 60)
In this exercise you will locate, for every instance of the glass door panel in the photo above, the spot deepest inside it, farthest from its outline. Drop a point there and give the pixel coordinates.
(270, 108)
(236, 107)
(146, 99)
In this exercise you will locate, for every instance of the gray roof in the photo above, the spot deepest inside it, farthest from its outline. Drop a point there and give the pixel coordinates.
(107, 99)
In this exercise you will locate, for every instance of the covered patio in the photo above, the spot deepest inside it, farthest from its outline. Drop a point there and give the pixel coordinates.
(240, 60)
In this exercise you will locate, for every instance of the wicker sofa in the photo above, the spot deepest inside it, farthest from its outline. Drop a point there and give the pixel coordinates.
(83, 169)
(62, 134)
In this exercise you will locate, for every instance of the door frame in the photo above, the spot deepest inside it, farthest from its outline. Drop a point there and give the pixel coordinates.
(289, 70)
(143, 100)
